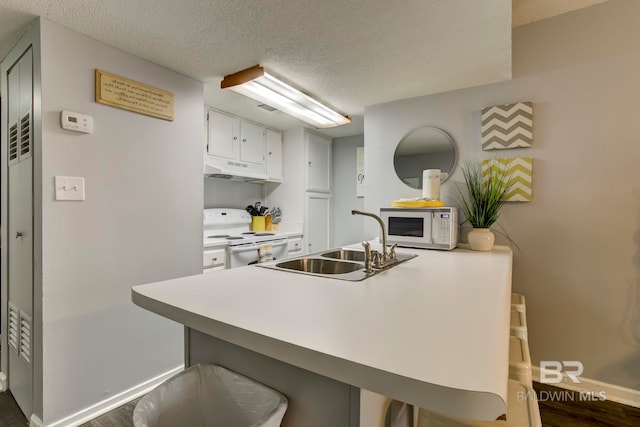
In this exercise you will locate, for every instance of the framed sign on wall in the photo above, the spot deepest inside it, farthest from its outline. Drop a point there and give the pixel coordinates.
(120, 92)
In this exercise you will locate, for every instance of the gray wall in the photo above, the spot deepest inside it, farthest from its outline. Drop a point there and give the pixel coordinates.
(222, 193)
(141, 222)
(576, 259)
(347, 228)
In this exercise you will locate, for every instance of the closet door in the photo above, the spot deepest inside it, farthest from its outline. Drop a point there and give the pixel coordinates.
(20, 233)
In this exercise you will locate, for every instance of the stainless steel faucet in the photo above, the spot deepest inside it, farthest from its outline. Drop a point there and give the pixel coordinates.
(374, 258)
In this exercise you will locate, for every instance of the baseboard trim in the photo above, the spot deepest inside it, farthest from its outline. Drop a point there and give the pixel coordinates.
(614, 393)
(113, 402)
(34, 421)
(3, 382)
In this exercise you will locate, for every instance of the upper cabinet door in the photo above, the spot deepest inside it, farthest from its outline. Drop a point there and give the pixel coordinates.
(223, 136)
(274, 155)
(252, 143)
(318, 163)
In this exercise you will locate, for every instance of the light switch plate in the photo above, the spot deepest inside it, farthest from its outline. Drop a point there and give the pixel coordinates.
(69, 188)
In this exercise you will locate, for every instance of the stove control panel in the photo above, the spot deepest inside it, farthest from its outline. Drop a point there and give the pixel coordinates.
(223, 216)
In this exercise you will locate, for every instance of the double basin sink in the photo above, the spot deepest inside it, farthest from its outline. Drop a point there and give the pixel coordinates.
(344, 264)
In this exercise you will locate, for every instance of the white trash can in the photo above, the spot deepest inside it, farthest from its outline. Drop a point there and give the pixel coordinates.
(210, 396)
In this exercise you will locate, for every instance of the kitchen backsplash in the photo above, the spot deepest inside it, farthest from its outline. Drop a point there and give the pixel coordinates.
(221, 193)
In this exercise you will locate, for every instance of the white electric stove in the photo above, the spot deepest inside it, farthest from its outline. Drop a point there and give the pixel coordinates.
(233, 226)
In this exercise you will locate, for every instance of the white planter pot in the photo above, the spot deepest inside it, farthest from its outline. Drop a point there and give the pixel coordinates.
(481, 239)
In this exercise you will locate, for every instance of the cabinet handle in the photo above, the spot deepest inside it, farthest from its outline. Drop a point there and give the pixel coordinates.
(235, 138)
(244, 139)
(19, 234)
(214, 259)
(269, 152)
(309, 163)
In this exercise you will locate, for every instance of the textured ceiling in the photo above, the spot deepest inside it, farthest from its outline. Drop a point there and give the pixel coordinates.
(348, 53)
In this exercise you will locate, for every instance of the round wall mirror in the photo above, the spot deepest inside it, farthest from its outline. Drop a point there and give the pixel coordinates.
(424, 148)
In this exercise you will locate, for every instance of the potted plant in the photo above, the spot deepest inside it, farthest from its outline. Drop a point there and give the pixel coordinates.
(483, 200)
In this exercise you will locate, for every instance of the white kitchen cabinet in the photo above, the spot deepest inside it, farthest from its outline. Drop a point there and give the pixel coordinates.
(295, 246)
(318, 163)
(223, 135)
(274, 155)
(317, 225)
(304, 195)
(252, 143)
(239, 147)
(235, 139)
(214, 259)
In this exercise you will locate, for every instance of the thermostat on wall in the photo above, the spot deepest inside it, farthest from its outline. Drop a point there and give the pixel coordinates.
(76, 122)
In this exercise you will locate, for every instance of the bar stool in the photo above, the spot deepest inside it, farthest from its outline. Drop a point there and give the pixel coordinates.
(519, 361)
(518, 324)
(518, 303)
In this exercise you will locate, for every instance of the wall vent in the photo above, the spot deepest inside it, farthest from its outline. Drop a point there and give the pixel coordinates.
(267, 107)
(25, 135)
(14, 321)
(25, 337)
(13, 142)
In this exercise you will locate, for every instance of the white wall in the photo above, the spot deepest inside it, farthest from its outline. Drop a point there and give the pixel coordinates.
(347, 228)
(576, 259)
(141, 222)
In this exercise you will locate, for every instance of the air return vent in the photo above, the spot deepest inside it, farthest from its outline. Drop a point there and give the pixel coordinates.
(267, 107)
(25, 135)
(13, 142)
(25, 337)
(14, 321)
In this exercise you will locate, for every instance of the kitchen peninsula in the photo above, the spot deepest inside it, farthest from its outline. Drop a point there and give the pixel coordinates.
(432, 331)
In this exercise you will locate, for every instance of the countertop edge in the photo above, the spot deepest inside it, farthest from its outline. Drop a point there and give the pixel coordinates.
(465, 403)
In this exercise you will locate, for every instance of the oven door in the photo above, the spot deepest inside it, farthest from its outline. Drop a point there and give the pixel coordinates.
(242, 255)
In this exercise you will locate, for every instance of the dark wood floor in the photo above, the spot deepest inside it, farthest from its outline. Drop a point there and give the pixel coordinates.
(563, 408)
(558, 408)
(10, 414)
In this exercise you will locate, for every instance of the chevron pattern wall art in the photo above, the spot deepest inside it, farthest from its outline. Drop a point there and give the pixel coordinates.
(507, 126)
(520, 170)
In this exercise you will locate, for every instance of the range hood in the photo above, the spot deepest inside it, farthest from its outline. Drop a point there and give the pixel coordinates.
(233, 170)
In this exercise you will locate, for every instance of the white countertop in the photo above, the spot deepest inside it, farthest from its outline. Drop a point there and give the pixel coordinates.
(432, 331)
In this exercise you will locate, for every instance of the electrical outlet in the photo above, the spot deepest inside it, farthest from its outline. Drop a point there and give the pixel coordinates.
(69, 188)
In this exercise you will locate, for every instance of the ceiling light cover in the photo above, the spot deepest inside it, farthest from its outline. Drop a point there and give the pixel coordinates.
(258, 84)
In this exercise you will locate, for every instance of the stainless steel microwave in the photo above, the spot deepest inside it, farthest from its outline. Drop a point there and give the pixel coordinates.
(428, 228)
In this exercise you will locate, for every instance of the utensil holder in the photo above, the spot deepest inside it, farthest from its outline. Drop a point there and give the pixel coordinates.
(257, 223)
(267, 223)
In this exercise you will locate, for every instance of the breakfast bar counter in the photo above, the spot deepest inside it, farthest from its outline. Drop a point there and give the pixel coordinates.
(432, 331)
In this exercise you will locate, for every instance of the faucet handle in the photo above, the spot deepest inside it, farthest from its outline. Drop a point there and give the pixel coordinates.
(392, 251)
(375, 258)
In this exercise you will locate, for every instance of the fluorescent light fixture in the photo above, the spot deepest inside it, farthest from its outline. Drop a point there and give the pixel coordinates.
(258, 84)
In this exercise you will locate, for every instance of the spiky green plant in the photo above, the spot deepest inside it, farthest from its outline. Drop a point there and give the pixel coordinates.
(485, 192)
